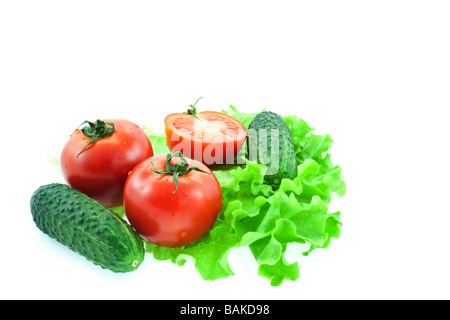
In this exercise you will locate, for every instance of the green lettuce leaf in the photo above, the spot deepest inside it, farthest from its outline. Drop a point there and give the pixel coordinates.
(265, 219)
(158, 141)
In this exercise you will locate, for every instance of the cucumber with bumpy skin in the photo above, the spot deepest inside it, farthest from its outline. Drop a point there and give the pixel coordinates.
(270, 143)
(87, 227)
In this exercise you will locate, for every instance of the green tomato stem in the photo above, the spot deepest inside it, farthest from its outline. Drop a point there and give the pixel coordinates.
(178, 169)
(193, 110)
(96, 131)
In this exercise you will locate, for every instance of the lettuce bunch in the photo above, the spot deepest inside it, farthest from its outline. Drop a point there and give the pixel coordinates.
(265, 219)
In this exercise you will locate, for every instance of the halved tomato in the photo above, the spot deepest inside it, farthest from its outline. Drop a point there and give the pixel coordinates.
(210, 137)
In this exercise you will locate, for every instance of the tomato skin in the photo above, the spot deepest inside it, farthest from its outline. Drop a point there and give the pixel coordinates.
(100, 171)
(165, 217)
(218, 149)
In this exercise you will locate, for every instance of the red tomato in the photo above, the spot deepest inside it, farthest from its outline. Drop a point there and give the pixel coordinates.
(101, 169)
(212, 138)
(167, 217)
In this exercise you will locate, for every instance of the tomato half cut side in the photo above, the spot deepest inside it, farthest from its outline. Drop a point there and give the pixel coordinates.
(212, 137)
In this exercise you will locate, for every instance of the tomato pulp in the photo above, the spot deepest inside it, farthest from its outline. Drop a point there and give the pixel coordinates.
(212, 138)
(101, 169)
(170, 215)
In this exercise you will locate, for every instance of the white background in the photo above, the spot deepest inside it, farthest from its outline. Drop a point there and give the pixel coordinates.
(375, 75)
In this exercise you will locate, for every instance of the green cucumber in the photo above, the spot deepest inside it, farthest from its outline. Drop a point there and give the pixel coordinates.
(87, 227)
(270, 142)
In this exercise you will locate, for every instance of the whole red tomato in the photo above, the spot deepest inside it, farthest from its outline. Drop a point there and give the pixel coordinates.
(97, 159)
(172, 201)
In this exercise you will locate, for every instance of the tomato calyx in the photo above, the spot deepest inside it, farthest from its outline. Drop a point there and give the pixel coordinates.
(193, 110)
(178, 169)
(96, 131)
